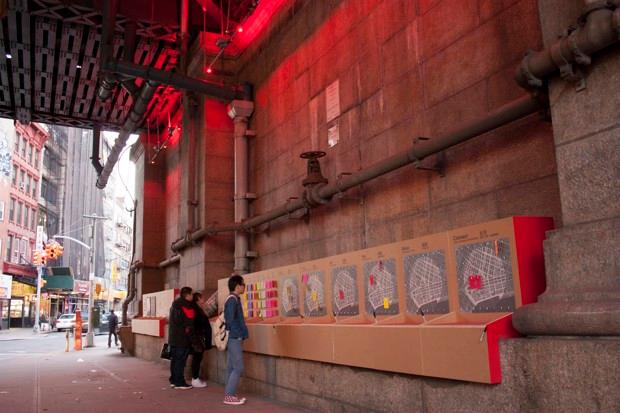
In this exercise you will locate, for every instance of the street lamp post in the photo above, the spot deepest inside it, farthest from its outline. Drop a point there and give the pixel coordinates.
(90, 337)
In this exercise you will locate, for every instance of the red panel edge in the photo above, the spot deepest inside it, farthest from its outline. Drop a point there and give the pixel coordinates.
(496, 330)
(162, 326)
(529, 236)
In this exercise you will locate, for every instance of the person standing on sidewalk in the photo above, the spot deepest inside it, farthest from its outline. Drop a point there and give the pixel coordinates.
(112, 327)
(237, 332)
(180, 331)
(201, 339)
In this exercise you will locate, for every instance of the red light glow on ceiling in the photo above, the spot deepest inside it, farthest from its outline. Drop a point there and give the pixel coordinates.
(249, 30)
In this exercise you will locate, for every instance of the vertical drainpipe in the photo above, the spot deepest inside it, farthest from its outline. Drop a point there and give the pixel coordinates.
(187, 119)
(240, 111)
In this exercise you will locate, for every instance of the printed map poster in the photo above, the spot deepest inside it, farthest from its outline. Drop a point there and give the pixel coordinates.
(289, 297)
(426, 283)
(345, 297)
(381, 287)
(314, 293)
(484, 276)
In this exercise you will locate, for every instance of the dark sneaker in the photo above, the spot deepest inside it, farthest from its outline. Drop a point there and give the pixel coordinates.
(183, 386)
(234, 400)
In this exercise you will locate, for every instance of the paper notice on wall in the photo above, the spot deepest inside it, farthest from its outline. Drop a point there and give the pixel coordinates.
(332, 101)
(314, 124)
(333, 134)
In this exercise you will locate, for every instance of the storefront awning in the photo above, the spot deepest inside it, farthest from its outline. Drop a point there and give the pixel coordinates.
(10, 268)
(58, 282)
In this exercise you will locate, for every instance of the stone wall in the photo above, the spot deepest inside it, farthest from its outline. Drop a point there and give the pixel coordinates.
(405, 69)
(539, 375)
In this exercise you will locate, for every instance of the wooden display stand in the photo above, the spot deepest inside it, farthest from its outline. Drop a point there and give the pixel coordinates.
(155, 308)
(434, 306)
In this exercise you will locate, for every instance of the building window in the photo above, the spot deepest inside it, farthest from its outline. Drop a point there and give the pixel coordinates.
(22, 179)
(18, 219)
(15, 257)
(24, 247)
(33, 223)
(9, 243)
(23, 147)
(29, 154)
(26, 215)
(14, 178)
(35, 183)
(1, 214)
(18, 139)
(49, 191)
(28, 180)
(36, 158)
(12, 211)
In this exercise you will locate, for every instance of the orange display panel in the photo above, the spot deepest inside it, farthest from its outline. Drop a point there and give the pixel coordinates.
(436, 305)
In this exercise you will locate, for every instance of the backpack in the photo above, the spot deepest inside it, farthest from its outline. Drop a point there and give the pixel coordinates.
(220, 335)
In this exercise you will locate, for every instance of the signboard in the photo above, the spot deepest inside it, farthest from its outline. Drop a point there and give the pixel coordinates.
(39, 240)
(81, 287)
(21, 290)
(5, 286)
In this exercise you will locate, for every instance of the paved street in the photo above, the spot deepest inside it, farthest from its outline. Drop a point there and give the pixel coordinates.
(36, 375)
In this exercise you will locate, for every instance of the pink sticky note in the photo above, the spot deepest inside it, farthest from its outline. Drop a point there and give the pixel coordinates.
(372, 279)
(341, 294)
(304, 278)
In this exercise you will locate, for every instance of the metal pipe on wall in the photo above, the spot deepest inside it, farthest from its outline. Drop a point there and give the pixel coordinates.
(322, 193)
(599, 28)
(133, 120)
(240, 111)
(95, 159)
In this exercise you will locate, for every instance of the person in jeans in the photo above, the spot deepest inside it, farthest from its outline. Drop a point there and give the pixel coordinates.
(237, 332)
(180, 332)
(112, 327)
(201, 340)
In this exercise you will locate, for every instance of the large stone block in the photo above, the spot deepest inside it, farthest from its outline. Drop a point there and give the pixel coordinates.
(402, 98)
(489, 8)
(569, 375)
(464, 212)
(514, 154)
(445, 23)
(540, 197)
(486, 50)
(589, 176)
(502, 88)
(465, 106)
(594, 246)
(592, 110)
(400, 53)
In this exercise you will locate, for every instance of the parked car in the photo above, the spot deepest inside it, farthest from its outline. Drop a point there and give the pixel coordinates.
(67, 322)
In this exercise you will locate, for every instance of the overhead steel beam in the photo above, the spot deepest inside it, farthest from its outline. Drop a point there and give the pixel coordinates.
(173, 79)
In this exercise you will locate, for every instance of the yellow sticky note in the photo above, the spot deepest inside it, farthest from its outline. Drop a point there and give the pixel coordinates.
(386, 303)
(314, 296)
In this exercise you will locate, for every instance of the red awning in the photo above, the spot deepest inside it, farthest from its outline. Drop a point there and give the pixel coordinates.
(18, 269)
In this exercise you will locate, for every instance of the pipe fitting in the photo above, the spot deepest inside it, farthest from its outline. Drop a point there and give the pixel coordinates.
(312, 196)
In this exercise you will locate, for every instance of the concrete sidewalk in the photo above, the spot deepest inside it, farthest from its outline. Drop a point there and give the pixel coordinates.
(103, 380)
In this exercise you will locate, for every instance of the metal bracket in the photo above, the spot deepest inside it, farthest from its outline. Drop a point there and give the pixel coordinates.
(439, 165)
(305, 216)
(341, 195)
(251, 254)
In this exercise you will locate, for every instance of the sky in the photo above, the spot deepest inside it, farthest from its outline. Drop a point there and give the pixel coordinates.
(125, 168)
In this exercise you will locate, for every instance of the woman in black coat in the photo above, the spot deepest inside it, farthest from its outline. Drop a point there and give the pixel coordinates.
(201, 339)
